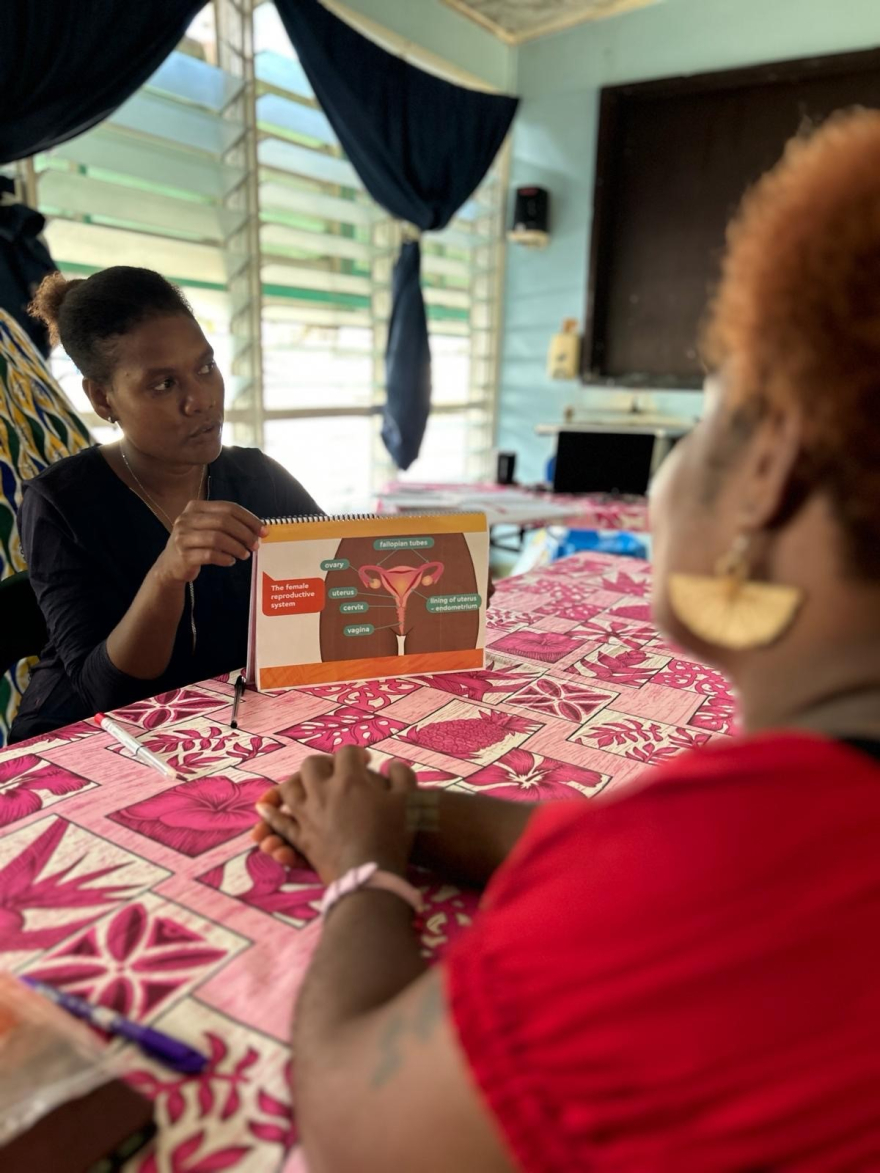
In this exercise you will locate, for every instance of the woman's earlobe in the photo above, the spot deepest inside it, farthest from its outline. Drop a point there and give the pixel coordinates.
(98, 398)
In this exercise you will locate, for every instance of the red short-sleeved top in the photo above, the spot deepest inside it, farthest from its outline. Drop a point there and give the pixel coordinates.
(687, 978)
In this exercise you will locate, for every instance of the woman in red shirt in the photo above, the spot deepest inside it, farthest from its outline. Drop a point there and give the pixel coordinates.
(686, 976)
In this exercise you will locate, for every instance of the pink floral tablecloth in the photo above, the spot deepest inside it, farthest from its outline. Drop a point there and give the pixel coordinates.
(584, 511)
(145, 894)
(596, 511)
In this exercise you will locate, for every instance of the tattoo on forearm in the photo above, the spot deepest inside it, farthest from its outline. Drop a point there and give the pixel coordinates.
(389, 1051)
(419, 1024)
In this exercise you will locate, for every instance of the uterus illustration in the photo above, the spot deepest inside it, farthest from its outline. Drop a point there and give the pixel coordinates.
(385, 608)
(400, 582)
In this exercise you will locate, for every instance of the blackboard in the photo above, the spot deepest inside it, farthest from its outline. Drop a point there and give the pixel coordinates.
(674, 159)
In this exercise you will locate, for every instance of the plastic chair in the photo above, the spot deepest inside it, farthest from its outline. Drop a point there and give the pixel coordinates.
(22, 627)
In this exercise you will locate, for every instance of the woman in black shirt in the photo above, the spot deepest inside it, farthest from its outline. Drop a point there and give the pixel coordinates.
(138, 551)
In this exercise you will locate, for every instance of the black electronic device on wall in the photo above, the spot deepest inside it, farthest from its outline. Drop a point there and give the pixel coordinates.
(531, 210)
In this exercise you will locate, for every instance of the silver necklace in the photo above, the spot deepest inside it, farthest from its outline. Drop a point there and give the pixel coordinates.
(157, 511)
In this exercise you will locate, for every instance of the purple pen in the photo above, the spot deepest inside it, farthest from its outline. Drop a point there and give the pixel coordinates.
(154, 1043)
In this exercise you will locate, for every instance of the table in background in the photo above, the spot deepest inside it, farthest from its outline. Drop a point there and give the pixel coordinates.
(147, 895)
(513, 505)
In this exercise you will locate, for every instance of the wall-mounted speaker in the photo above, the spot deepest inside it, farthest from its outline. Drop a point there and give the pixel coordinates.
(531, 210)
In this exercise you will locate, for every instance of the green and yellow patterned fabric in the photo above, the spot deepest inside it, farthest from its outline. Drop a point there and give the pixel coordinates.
(37, 427)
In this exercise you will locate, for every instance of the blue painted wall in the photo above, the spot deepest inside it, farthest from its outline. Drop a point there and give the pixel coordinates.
(438, 28)
(559, 79)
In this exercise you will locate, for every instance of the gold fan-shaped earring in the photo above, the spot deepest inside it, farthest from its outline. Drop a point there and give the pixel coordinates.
(730, 611)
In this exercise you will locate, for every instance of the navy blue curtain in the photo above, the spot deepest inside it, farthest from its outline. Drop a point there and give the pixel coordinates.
(408, 360)
(421, 146)
(66, 65)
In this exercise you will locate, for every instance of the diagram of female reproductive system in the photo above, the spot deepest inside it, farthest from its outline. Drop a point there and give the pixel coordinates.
(400, 582)
(395, 600)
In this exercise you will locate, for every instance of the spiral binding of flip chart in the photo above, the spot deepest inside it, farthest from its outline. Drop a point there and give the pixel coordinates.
(392, 517)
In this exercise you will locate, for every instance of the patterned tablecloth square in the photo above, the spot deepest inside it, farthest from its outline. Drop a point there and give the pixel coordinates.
(200, 746)
(196, 816)
(29, 783)
(140, 957)
(55, 879)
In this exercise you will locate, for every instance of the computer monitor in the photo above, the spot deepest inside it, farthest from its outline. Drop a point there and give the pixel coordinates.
(603, 462)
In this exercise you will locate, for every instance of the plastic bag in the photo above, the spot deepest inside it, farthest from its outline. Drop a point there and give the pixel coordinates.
(46, 1058)
(605, 541)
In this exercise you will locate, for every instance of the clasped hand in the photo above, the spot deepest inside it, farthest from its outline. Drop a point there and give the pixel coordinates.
(336, 813)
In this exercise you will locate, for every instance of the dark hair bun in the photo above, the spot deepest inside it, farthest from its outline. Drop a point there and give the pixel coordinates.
(49, 298)
(89, 316)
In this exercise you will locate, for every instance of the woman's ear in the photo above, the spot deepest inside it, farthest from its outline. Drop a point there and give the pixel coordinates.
(770, 469)
(98, 399)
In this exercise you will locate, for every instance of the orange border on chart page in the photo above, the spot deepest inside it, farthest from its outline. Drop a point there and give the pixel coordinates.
(333, 671)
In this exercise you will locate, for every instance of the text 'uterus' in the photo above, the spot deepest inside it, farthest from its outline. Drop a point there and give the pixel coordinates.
(400, 582)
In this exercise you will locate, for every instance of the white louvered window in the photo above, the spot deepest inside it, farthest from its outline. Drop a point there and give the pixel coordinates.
(231, 182)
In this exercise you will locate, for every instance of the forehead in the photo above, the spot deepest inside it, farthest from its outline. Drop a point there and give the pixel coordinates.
(166, 342)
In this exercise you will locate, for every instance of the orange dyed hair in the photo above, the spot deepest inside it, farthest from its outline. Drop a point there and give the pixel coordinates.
(797, 314)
